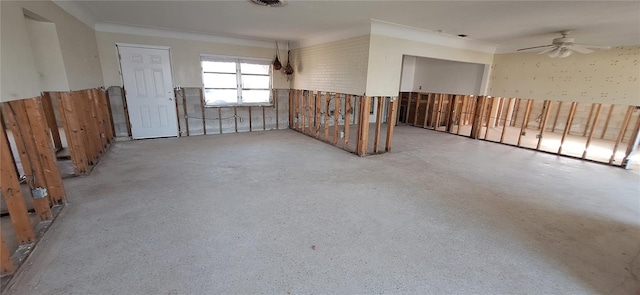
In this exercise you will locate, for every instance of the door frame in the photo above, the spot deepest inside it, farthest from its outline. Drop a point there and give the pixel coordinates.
(143, 46)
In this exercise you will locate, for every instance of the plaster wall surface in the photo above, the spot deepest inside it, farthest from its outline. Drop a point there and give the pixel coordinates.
(47, 55)
(445, 76)
(604, 76)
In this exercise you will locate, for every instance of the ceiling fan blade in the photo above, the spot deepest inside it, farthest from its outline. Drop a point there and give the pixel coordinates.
(548, 50)
(528, 48)
(579, 48)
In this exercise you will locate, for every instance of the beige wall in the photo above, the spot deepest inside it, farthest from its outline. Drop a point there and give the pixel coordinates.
(77, 45)
(446, 76)
(338, 66)
(385, 61)
(605, 76)
(19, 75)
(47, 55)
(185, 57)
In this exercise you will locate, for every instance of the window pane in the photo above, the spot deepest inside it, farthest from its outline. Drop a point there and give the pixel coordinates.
(251, 81)
(220, 97)
(219, 80)
(252, 96)
(218, 67)
(254, 69)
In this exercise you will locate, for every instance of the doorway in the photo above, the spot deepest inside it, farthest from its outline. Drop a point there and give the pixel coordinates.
(146, 75)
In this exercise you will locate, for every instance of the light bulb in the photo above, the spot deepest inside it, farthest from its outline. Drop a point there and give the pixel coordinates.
(565, 52)
(554, 53)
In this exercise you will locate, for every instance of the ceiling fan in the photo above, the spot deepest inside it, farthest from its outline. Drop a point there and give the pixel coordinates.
(565, 46)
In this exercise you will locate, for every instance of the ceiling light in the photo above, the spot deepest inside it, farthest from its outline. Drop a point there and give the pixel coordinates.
(564, 52)
(555, 52)
(269, 3)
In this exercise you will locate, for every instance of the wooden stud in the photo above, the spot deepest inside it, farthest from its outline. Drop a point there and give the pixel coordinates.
(220, 119)
(406, 119)
(543, 122)
(186, 114)
(452, 112)
(567, 128)
(440, 107)
(6, 265)
(623, 130)
(291, 109)
(51, 120)
(632, 145)
(235, 118)
(264, 120)
(250, 121)
(311, 116)
(44, 150)
(22, 130)
(463, 112)
(417, 111)
(523, 128)
(96, 111)
(606, 122)
(317, 110)
(296, 115)
(106, 104)
(376, 139)
(555, 120)
(478, 115)
(275, 102)
(336, 118)
(364, 126)
(12, 194)
(514, 118)
(175, 96)
(347, 120)
(78, 99)
(303, 113)
(490, 106)
(391, 122)
(586, 127)
(593, 128)
(204, 122)
(500, 110)
(327, 101)
(426, 110)
(73, 132)
(127, 120)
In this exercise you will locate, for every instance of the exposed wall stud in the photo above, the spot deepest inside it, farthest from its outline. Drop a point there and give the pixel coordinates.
(376, 139)
(593, 128)
(391, 122)
(525, 119)
(202, 103)
(623, 130)
(347, 120)
(606, 122)
(543, 123)
(186, 114)
(567, 128)
(6, 265)
(555, 120)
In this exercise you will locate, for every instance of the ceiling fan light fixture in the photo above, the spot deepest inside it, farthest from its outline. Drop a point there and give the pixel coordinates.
(555, 52)
(564, 52)
(269, 3)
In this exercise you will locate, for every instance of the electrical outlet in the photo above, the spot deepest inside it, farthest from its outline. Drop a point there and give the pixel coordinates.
(39, 193)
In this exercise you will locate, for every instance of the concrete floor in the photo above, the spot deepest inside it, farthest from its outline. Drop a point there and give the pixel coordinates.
(278, 212)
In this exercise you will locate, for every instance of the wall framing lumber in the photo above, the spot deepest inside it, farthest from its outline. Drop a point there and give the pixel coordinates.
(311, 116)
(22, 130)
(391, 122)
(235, 119)
(415, 116)
(73, 132)
(426, 110)
(291, 111)
(623, 130)
(555, 120)
(406, 116)
(606, 122)
(586, 126)
(567, 127)
(336, 118)
(250, 120)
(10, 184)
(327, 101)
(516, 107)
(184, 109)
(593, 128)
(6, 265)
(175, 99)
(296, 114)
(364, 126)
(264, 120)
(525, 119)
(632, 145)
(275, 102)
(376, 139)
(317, 109)
(220, 120)
(543, 122)
(44, 150)
(491, 101)
(303, 110)
(204, 122)
(51, 120)
(347, 120)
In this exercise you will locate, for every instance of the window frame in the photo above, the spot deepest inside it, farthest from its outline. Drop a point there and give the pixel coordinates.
(238, 61)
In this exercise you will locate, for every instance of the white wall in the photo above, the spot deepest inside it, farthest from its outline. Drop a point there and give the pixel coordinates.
(445, 76)
(337, 66)
(47, 55)
(77, 41)
(385, 60)
(605, 76)
(408, 73)
(185, 56)
(19, 76)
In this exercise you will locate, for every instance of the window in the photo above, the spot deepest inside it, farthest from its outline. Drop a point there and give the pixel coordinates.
(234, 81)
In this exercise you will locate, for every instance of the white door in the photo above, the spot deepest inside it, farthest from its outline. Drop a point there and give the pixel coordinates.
(146, 73)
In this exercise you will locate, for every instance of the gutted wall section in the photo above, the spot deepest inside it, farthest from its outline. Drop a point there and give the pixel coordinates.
(339, 66)
(185, 57)
(606, 76)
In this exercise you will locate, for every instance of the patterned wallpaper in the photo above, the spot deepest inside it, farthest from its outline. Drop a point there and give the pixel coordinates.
(605, 76)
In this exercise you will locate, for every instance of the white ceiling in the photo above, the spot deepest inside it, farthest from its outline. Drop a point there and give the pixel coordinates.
(508, 24)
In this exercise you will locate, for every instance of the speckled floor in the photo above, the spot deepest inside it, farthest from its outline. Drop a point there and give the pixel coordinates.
(278, 212)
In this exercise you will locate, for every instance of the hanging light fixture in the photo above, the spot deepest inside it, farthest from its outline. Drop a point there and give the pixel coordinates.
(288, 69)
(277, 65)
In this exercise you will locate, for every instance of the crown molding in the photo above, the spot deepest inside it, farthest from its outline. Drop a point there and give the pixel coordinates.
(175, 34)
